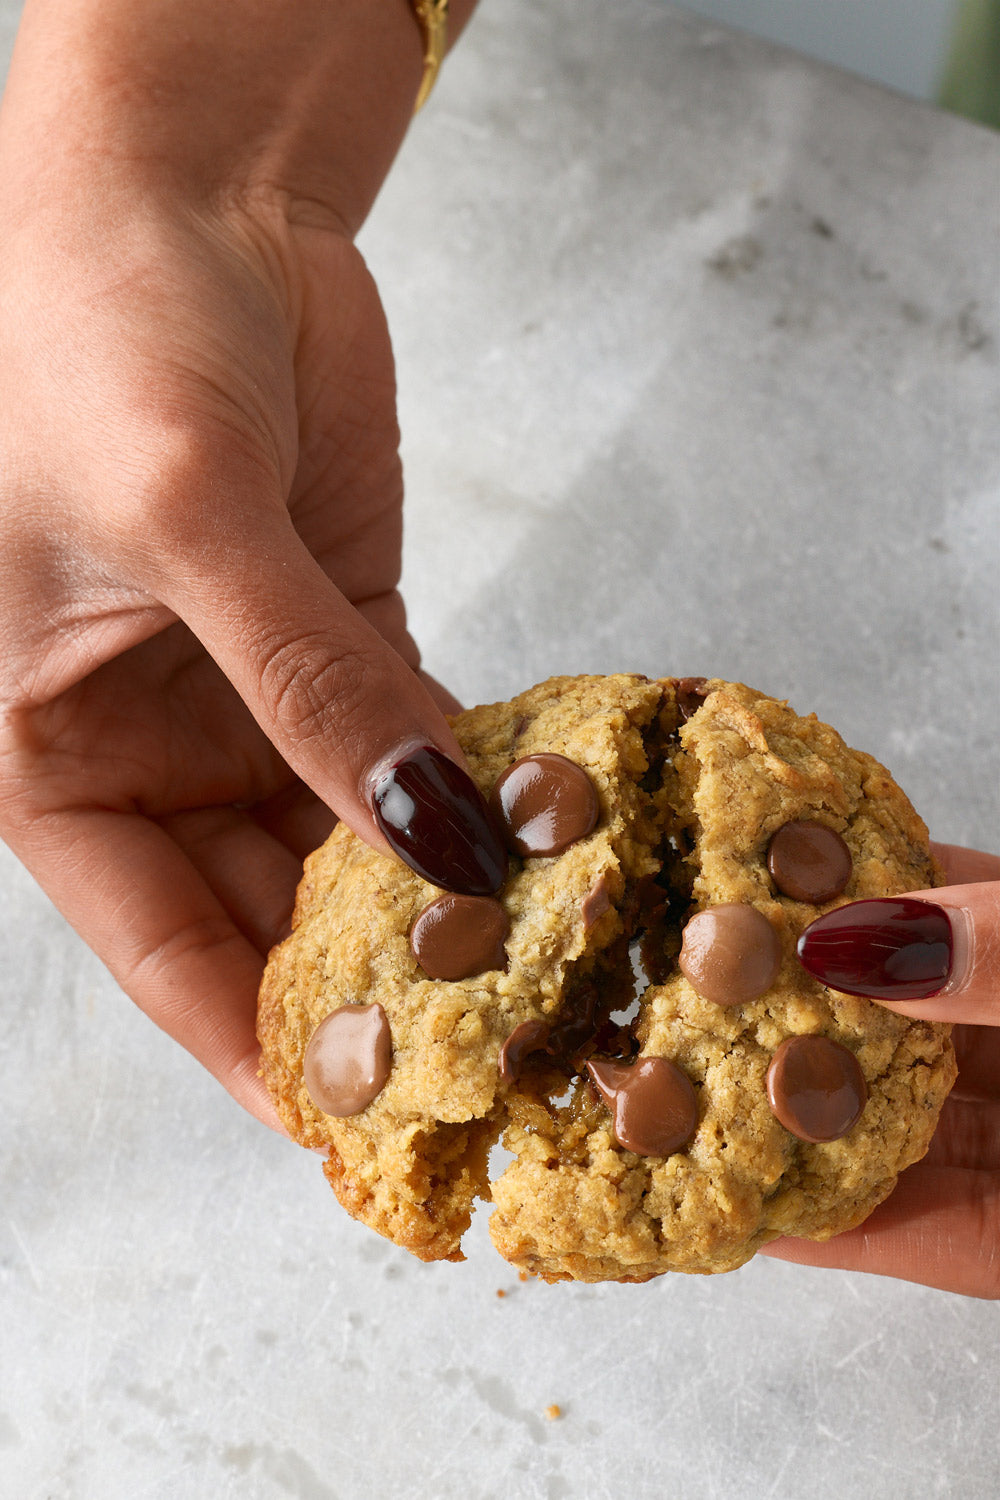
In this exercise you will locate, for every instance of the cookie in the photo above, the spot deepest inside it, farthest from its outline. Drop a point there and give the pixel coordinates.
(628, 1016)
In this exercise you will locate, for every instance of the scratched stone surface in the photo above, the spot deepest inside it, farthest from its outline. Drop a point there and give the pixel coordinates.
(698, 347)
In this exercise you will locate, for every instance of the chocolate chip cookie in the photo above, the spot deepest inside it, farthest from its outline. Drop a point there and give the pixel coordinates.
(628, 1014)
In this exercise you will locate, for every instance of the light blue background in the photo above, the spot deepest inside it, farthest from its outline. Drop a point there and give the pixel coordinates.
(901, 43)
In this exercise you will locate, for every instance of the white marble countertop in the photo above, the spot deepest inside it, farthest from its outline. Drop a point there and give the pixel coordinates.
(698, 351)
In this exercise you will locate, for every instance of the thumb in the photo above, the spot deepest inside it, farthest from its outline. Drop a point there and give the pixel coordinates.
(341, 706)
(934, 955)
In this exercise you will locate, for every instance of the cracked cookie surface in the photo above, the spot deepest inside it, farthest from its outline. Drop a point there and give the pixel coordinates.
(692, 784)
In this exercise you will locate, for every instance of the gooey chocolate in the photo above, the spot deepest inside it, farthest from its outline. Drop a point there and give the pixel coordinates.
(730, 953)
(544, 803)
(809, 861)
(596, 902)
(457, 937)
(348, 1059)
(816, 1088)
(691, 694)
(654, 1108)
(529, 1036)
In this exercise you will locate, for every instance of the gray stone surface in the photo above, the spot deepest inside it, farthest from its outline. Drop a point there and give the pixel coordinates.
(698, 356)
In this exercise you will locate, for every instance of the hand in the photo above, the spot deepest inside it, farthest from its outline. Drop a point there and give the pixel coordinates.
(202, 646)
(941, 1225)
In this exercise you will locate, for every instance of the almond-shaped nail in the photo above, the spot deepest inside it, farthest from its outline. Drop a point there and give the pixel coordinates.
(433, 815)
(892, 948)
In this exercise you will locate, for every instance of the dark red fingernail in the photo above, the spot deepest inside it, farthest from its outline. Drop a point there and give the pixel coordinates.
(894, 948)
(435, 818)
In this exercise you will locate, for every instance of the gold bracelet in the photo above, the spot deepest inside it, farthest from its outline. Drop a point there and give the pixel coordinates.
(432, 18)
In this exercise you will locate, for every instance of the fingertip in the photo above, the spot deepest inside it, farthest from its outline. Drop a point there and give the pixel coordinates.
(434, 817)
(933, 955)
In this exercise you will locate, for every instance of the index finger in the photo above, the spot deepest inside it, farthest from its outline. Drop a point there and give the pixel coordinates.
(933, 954)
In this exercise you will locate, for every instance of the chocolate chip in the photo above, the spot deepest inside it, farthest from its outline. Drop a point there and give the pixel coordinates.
(691, 694)
(595, 903)
(654, 1108)
(816, 1088)
(348, 1059)
(459, 936)
(530, 1036)
(809, 861)
(730, 953)
(545, 803)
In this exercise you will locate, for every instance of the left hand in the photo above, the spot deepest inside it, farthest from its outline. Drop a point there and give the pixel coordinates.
(203, 651)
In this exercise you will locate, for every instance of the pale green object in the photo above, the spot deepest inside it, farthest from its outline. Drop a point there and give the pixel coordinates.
(971, 84)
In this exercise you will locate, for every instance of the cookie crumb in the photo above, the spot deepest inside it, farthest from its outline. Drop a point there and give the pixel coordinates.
(553, 1412)
(501, 1292)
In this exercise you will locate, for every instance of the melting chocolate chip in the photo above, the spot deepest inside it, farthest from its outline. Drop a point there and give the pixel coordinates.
(809, 861)
(348, 1059)
(530, 1036)
(691, 694)
(583, 1025)
(654, 1108)
(572, 1032)
(459, 936)
(545, 803)
(816, 1088)
(730, 953)
(595, 903)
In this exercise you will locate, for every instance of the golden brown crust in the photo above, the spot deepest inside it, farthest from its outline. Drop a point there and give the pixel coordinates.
(573, 1203)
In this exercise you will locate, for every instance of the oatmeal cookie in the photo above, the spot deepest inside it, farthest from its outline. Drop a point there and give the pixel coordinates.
(629, 1015)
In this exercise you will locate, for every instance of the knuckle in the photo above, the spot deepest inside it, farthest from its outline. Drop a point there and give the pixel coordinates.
(317, 688)
(22, 803)
(182, 490)
(210, 938)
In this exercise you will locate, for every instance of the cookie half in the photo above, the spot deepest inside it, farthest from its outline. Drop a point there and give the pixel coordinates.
(639, 1043)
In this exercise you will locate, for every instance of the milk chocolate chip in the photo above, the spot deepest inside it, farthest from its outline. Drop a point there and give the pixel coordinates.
(691, 694)
(530, 1036)
(809, 861)
(595, 903)
(459, 936)
(545, 803)
(730, 953)
(348, 1059)
(654, 1108)
(816, 1088)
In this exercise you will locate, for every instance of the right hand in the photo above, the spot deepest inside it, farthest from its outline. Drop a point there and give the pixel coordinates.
(941, 1224)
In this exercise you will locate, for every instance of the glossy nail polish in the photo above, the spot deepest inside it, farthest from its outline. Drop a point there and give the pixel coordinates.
(432, 814)
(894, 948)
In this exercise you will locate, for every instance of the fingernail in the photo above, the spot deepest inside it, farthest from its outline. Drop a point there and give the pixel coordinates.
(895, 948)
(433, 815)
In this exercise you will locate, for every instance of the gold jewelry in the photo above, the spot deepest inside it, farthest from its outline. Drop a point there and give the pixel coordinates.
(432, 18)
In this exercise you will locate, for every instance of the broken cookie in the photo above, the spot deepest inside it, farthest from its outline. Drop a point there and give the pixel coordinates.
(696, 823)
